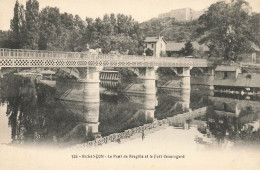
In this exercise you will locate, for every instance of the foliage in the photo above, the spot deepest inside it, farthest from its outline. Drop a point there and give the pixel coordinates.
(255, 27)
(17, 33)
(60, 31)
(149, 52)
(187, 49)
(5, 39)
(31, 30)
(112, 33)
(15, 26)
(51, 30)
(227, 30)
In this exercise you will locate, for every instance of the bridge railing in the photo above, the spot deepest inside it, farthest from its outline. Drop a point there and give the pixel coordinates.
(257, 65)
(23, 53)
(40, 54)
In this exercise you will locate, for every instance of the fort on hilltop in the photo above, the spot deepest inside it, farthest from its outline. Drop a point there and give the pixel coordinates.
(183, 14)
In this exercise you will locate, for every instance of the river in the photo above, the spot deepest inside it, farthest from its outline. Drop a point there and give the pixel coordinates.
(30, 114)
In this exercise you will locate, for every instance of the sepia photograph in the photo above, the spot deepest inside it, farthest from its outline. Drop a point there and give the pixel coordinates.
(130, 84)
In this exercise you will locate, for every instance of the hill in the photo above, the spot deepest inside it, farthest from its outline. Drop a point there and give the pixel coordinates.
(171, 29)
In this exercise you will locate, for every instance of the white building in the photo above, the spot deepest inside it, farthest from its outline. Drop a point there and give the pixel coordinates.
(156, 44)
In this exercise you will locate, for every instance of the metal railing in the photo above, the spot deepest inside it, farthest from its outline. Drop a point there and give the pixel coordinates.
(255, 65)
(84, 56)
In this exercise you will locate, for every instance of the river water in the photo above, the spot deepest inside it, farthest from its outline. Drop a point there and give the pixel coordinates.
(31, 114)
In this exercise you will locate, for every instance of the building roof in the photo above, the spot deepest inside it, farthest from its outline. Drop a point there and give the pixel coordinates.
(255, 47)
(226, 68)
(176, 46)
(243, 80)
(153, 39)
(48, 72)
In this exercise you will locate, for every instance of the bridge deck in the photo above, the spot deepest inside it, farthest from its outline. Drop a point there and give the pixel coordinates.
(34, 58)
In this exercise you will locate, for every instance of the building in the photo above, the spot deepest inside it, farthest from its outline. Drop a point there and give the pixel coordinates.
(184, 14)
(253, 57)
(227, 72)
(232, 78)
(173, 48)
(156, 44)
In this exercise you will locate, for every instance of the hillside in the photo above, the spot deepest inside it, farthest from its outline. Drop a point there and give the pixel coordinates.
(169, 28)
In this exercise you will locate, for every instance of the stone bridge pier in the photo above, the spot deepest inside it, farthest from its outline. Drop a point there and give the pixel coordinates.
(91, 115)
(149, 80)
(185, 78)
(91, 85)
(185, 99)
(211, 74)
(150, 102)
(91, 99)
(82, 96)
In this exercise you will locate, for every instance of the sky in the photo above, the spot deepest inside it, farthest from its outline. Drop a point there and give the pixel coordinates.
(141, 10)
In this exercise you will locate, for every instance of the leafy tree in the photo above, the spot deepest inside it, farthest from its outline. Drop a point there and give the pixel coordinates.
(5, 39)
(61, 31)
(112, 33)
(66, 31)
(32, 25)
(187, 50)
(225, 28)
(76, 38)
(149, 52)
(49, 31)
(15, 27)
(17, 34)
(255, 27)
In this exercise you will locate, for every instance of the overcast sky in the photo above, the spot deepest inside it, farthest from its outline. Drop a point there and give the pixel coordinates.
(141, 10)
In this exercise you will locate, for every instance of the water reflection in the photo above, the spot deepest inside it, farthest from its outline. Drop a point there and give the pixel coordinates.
(232, 120)
(125, 111)
(22, 107)
(35, 116)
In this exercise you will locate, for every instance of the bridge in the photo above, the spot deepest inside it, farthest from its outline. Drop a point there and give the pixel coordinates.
(86, 67)
(37, 58)
(92, 64)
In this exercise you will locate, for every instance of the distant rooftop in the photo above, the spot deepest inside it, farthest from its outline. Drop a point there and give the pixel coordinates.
(255, 47)
(153, 39)
(226, 68)
(243, 80)
(176, 46)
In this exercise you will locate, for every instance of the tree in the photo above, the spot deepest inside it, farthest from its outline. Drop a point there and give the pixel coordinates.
(49, 31)
(187, 50)
(225, 29)
(148, 52)
(15, 27)
(112, 33)
(255, 27)
(32, 25)
(5, 39)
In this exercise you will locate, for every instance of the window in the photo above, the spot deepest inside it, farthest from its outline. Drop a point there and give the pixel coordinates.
(152, 45)
(225, 106)
(225, 75)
